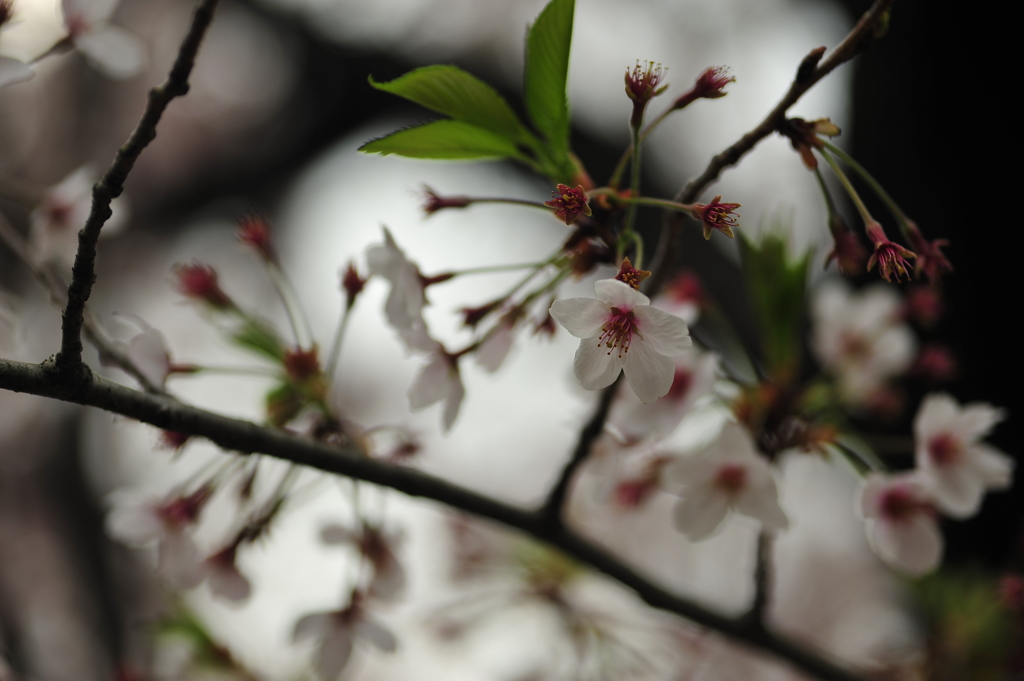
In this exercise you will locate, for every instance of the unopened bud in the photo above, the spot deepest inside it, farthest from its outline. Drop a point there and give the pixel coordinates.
(352, 283)
(435, 202)
(199, 282)
(254, 231)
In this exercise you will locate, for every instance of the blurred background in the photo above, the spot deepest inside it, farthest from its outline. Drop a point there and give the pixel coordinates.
(278, 105)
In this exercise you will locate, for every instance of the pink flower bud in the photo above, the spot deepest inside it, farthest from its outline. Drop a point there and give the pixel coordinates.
(254, 231)
(352, 283)
(199, 282)
(436, 202)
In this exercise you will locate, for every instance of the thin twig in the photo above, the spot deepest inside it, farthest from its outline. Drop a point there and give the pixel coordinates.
(91, 329)
(811, 70)
(248, 438)
(83, 274)
(762, 580)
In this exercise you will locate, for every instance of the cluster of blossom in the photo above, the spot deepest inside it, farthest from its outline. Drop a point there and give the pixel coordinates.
(112, 50)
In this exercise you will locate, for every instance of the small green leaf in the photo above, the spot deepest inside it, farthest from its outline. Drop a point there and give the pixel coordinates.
(547, 69)
(446, 140)
(451, 91)
(259, 338)
(777, 288)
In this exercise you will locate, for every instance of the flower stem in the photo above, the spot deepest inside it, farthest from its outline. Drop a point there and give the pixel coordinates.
(848, 186)
(876, 187)
(634, 186)
(286, 293)
(500, 268)
(339, 333)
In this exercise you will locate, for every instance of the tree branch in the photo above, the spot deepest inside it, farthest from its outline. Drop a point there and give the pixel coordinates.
(811, 70)
(110, 186)
(248, 438)
(556, 497)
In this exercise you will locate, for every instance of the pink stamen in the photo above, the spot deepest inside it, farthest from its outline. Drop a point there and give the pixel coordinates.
(944, 449)
(618, 331)
(731, 477)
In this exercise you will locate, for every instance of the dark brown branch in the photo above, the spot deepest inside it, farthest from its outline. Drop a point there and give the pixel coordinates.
(810, 71)
(556, 497)
(245, 437)
(110, 186)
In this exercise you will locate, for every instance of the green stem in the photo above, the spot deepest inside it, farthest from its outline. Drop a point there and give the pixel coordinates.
(286, 293)
(830, 205)
(658, 203)
(848, 186)
(893, 207)
(634, 186)
(500, 268)
(638, 252)
(339, 333)
(620, 167)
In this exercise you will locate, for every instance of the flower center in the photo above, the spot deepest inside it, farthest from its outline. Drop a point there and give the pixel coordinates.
(944, 449)
(731, 478)
(680, 385)
(898, 504)
(617, 332)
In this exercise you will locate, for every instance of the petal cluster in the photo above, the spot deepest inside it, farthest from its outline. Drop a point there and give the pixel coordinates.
(957, 467)
(729, 475)
(621, 332)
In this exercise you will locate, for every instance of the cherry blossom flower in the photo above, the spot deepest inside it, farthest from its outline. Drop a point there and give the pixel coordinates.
(860, 338)
(930, 259)
(901, 522)
(114, 51)
(376, 545)
(13, 71)
(405, 302)
(717, 215)
(55, 222)
(694, 377)
(957, 467)
(728, 475)
(337, 631)
(642, 83)
(620, 331)
(891, 258)
(569, 203)
(141, 520)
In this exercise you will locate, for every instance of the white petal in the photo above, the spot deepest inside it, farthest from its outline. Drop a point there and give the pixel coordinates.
(90, 12)
(913, 546)
(993, 467)
(313, 625)
(956, 488)
(700, 512)
(618, 294)
(596, 366)
(936, 412)
(649, 374)
(134, 522)
(378, 635)
(495, 347)
(148, 352)
(179, 562)
(431, 384)
(417, 338)
(582, 317)
(453, 398)
(976, 420)
(334, 653)
(13, 71)
(228, 583)
(334, 534)
(114, 51)
(667, 335)
(762, 503)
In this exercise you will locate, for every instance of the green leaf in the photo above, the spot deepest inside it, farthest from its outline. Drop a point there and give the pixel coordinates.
(257, 337)
(445, 139)
(451, 91)
(547, 69)
(777, 288)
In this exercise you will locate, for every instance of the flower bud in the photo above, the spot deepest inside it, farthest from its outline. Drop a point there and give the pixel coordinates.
(199, 282)
(254, 231)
